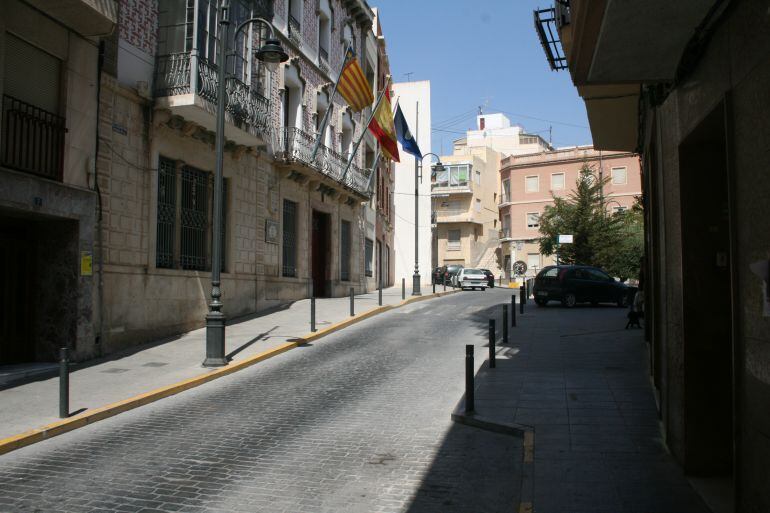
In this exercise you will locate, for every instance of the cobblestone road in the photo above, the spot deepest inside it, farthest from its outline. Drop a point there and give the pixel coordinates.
(356, 422)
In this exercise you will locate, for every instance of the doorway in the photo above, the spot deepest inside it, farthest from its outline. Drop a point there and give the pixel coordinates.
(321, 253)
(707, 300)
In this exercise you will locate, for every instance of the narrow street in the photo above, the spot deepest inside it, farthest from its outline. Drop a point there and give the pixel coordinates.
(357, 422)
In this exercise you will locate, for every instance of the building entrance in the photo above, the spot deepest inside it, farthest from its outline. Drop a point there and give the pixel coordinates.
(707, 300)
(38, 288)
(321, 254)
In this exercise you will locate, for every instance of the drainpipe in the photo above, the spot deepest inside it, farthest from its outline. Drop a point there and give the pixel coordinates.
(99, 235)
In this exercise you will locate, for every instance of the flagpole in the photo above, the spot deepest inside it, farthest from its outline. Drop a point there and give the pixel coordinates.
(363, 132)
(325, 120)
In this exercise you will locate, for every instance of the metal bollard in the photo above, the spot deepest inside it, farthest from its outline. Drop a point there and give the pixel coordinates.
(513, 310)
(434, 287)
(505, 324)
(491, 343)
(379, 294)
(444, 285)
(403, 289)
(501, 281)
(352, 309)
(469, 399)
(312, 315)
(522, 300)
(64, 383)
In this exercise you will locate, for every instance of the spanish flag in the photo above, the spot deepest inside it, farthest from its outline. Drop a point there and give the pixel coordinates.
(353, 86)
(383, 128)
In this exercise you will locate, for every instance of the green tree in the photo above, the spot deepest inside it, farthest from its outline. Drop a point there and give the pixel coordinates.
(613, 242)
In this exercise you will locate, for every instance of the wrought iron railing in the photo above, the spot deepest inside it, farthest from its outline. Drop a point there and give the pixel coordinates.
(295, 35)
(174, 77)
(297, 145)
(32, 139)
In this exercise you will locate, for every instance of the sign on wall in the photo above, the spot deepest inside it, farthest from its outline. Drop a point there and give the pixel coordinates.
(271, 231)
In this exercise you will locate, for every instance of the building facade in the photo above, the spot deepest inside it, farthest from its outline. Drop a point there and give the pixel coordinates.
(466, 195)
(685, 85)
(136, 169)
(414, 99)
(528, 183)
(465, 208)
(50, 59)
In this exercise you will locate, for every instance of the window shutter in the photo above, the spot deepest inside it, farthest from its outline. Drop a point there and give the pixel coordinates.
(31, 75)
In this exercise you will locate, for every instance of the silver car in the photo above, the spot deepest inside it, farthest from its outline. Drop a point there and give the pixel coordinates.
(471, 279)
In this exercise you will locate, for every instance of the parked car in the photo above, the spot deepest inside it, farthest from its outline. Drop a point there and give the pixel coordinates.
(490, 277)
(471, 279)
(450, 272)
(573, 284)
(437, 276)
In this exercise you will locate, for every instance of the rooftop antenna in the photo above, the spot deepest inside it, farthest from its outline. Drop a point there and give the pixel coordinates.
(550, 135)
(409, 76)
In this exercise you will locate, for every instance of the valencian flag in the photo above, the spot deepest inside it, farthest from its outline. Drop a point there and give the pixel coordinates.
(353, 86)
(405, 136)
(383, 129)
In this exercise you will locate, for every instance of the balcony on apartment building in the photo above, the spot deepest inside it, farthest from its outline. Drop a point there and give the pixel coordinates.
(32, 140)
(453, 180)
(452, 212)
(86, 17)
(186, 73)
(295, 154)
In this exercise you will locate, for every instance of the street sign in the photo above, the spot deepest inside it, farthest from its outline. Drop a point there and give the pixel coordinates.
(519, 267)
(565, 239)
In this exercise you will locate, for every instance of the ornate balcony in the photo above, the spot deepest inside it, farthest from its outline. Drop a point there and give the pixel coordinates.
(323, 60)
(296, 149)
(295, 34)
(188, 86)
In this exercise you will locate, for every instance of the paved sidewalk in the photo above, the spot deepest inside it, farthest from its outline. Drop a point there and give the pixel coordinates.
(123, 375)
(580, 382)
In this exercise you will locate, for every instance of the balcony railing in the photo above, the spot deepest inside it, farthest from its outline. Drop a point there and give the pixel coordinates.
(295, 35)
(297, 146)
(32, 139)
(460, 187)
(174, 77)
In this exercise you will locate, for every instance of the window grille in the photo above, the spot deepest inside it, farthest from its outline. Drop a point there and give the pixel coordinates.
(289, 238)
(185, 217)
(345, 251)
(164, 254)
(369, 246)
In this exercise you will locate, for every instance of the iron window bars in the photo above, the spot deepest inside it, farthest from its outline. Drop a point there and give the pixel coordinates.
(185, 217)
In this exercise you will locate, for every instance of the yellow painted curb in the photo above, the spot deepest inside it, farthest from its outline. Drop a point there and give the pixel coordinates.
(53, 429)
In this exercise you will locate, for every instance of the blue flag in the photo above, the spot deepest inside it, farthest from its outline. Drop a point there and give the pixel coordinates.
(405, 136)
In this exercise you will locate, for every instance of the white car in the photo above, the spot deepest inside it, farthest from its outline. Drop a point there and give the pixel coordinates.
(471, 279)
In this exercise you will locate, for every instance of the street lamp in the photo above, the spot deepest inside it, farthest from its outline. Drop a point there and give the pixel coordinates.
(271, 54)
(439, 167)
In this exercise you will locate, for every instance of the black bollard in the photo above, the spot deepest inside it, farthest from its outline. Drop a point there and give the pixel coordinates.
(522, 300)
(434, 287)
(444, 284)
(469, 399)
(505, 324)
(64, 384)
(513, 310)
(312, 315)
(501, 281)
(352, 309)
(403, 289)
(379, 294)
(491, 343)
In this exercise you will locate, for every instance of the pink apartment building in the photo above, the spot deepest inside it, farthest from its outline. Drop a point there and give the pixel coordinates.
(529, 182)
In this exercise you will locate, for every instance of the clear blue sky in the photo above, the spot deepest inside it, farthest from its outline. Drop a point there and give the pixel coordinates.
(476, 52)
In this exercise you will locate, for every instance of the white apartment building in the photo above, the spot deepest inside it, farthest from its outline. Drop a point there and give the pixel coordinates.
(414, 99)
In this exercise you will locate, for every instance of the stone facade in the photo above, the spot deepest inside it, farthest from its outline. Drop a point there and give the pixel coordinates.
(151, 289)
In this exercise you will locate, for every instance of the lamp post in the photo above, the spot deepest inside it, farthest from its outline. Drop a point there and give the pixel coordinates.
(271, 53)
(416, 277)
